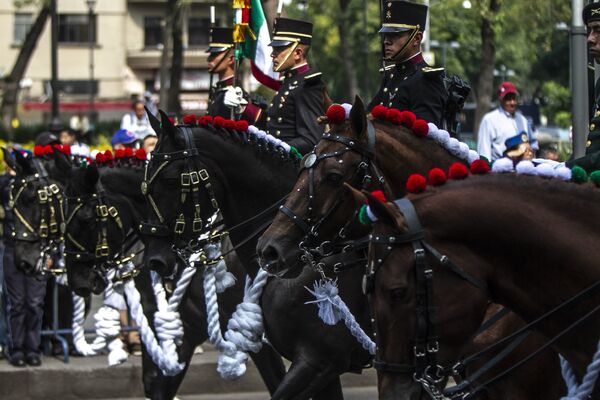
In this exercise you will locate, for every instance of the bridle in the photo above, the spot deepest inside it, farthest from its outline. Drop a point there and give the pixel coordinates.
(311, 246)
(100, 256)
(426, 369)
(49, 232)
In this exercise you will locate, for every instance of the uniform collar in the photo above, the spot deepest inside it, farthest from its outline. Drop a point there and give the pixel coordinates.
(228, 81)
(299, 70)
(410, 63)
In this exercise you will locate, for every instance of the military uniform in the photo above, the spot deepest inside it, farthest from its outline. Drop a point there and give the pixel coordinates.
(591, 161)
(410, 84)
(292, 115)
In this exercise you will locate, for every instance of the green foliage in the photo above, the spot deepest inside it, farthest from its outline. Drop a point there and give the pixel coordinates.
(555, 100)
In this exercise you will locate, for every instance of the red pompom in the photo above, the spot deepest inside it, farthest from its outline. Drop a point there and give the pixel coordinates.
(120, 153)
(218, 122)
(190, 119)
(38, 151)
(128, 152)
(416, 183)
(66, 149)
(205, 120)
(108, 155)
(437, 177)
(336, 114)
(458, 171)
(140, 154)
(229, 124)
(47, 149)
(408, 119)
(394, 116)
(480, 167)
(171, 120)
(99, 158)
(379, 195)
(420, 128)
(379, 112)
(241, 126)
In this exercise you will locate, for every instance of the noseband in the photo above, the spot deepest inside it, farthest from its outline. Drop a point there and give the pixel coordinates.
(310, 226)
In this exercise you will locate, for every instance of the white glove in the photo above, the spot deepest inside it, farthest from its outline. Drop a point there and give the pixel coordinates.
(234, 98)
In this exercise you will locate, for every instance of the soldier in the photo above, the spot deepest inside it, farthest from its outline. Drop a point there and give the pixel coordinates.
(224, 96)
(409, 84)
(591, 161)
(302, 98)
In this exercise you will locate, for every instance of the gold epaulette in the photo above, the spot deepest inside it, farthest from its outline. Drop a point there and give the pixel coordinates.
(387, 68)
(311, 76)
(428, 70)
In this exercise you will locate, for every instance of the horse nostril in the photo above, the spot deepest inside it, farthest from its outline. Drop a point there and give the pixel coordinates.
(270, 255)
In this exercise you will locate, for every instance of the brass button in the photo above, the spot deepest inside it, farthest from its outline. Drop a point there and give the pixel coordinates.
(598, 113)
(283, 99)
(592, 127)
(278, 133)
(281, 105)
(391, 76)
(286, 93)
(268, 118)
(385, 90)
(588, 144)
(279, 119)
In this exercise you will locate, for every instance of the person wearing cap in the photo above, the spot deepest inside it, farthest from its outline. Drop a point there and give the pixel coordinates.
(292, 115)
(591, 160)
(46, 138)
(137, 120)
(409, 84)
(502, 123)
(518, 148)
(225, 97)
(122, 139)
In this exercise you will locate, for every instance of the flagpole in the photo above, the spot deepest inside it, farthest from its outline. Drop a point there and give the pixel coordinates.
(279, 8)
(211, 73)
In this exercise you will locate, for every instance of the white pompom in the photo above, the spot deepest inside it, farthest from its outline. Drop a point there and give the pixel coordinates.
(453, 146)
(563, 173)
(545, 170)
(253, 129)
(473, 156)
(526, 168)
(463, 149)
(503, 165)
(442, 137)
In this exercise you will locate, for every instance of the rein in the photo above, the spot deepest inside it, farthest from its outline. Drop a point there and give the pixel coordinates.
(426, 369)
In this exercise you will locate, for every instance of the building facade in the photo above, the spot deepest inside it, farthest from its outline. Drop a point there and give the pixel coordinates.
(116, 53)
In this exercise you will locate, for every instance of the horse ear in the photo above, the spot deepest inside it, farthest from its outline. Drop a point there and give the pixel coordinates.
(167, 125)
(92, 175)
(386, 212)
(359, 197)
(9, 159)
(358, 119)
(63, 162)
(22, 164)
(154, 122)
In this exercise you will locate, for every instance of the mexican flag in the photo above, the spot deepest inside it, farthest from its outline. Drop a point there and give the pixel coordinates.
(258, 50)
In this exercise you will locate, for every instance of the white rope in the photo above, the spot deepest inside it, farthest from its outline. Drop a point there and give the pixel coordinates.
(108, 327)
(332, 309)
(574, 390)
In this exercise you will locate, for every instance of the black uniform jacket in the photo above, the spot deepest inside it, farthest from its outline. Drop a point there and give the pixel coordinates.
(216, 108)
(591, 161)
(413, 86)
(292, 116)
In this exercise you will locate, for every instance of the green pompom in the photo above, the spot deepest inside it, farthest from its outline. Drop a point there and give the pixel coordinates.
(578, 175)
(595, 177)
(295, 152)
(484, 158)
(363, 217)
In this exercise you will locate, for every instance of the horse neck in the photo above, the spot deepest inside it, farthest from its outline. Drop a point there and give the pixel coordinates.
(532, 257)
(399, 154)
(125, 181)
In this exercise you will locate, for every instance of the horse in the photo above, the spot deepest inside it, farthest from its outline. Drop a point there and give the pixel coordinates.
(245, 178)
(497, 239)
(117, 187)
(360, 150)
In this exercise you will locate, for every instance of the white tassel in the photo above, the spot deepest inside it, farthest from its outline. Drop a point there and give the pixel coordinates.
(325, 291)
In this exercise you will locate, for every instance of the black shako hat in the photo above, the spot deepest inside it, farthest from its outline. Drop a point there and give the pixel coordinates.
(401, 16)
(591, 12)
(287, 31)
(221, 39)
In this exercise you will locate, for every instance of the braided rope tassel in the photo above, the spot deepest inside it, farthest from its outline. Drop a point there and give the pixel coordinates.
(332, 309)
(580, 392)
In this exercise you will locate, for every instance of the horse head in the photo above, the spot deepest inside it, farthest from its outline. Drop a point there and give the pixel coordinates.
(318, 210)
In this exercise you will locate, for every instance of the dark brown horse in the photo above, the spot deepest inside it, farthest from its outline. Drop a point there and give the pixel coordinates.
(531, 241)
(397, 154)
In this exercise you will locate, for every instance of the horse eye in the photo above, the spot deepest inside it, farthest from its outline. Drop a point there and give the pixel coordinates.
(335, 177)
(398, 294)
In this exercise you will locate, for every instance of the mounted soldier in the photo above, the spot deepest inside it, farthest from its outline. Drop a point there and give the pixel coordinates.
(591, 160)
(302, 98)
(224, 97)
(409, 83)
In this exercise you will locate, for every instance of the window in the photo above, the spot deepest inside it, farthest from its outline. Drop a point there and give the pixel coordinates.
(153, 31)
(198, 31)
(74, 28)
(23, 22)
(74, 87)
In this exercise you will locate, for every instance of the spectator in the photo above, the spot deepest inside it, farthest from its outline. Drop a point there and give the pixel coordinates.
(149, 143)
(122, 139)
(550, 152)
(4, 182)
(137, 121)
(518, 148)
(502, 123)
(45, 138)
(24, 294)
(71, 137)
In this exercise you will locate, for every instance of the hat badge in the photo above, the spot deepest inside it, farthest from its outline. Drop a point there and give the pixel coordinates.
(388, 15)
(595, 11)
(524, 137)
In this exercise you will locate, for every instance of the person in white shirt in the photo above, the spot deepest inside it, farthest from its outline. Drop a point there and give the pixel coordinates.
(137, 121)
(502, 123)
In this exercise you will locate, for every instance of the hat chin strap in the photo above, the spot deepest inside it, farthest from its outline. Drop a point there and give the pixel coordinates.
(403, 48)
(212, 71)
(291, 50)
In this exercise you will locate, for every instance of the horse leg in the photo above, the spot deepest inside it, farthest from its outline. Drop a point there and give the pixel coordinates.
(333, 391)
(270, 366)
(303, 381)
